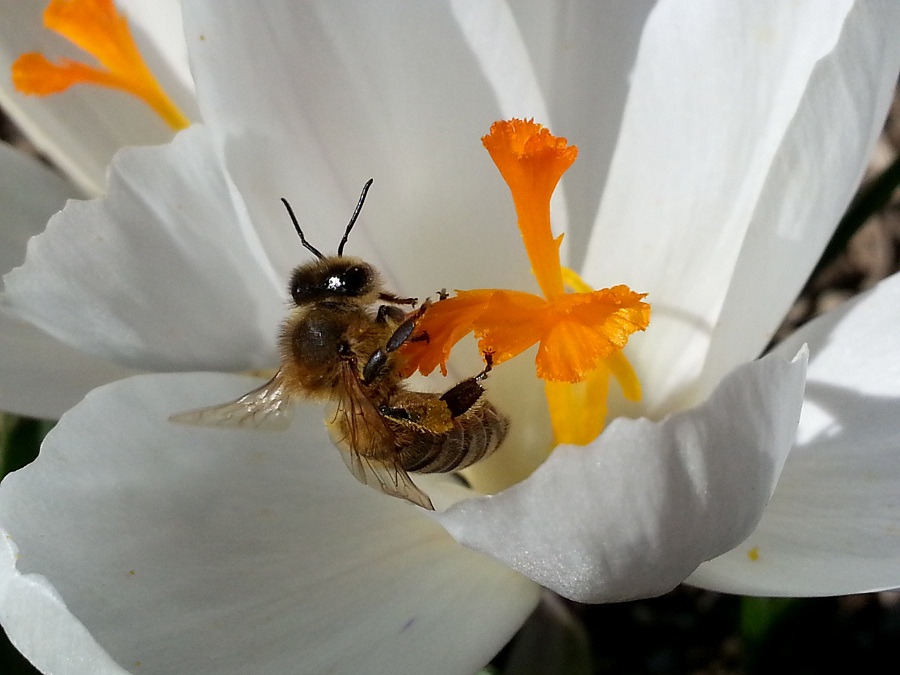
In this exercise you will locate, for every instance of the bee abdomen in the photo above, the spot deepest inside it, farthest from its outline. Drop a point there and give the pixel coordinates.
(475, 435)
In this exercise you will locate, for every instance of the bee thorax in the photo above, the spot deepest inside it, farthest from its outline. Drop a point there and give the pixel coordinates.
(312, 344)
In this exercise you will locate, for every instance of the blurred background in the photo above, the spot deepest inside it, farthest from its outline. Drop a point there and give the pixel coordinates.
(688, 630)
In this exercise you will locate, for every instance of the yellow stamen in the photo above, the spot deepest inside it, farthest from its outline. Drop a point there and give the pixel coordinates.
(578, 411)
(96, 27)
(620, 368)
(571, 279)
(579, 335)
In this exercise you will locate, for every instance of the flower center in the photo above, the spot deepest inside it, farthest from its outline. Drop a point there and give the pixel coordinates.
(579, 334)
(96, 27)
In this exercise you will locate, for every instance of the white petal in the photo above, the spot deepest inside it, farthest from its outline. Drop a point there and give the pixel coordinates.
(200, 550)
(583, 54)
(565, 65)
(29, 194)
(37, 622)
(190, 549)
(491, 31)
(853, 348)
(390, 91)
(831, 527)
(158, 28)
(846, 101)
(42, 377)
(80, 129)
(159, 273)
(30, 360)
(634, 513)
(722, 190)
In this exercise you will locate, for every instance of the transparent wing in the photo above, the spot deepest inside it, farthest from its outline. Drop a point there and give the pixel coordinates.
(367, 445)
(266, 407)
(385, 476)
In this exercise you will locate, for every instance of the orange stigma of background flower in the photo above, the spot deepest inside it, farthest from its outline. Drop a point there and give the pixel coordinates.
(96, 27)
(579, 334)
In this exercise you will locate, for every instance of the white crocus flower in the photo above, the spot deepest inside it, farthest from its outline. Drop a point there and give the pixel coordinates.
(133, 544)
(79, 131)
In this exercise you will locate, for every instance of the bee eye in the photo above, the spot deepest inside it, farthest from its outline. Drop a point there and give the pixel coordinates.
(302, 288)
(356, 280)
(301, 293)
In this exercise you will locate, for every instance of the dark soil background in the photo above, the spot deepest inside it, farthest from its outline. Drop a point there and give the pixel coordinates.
(688, 630)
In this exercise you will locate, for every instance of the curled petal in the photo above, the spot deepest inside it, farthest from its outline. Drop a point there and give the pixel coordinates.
(144, 276)
(634, 513)
(831, 527)
(30, 193)
(29, 358)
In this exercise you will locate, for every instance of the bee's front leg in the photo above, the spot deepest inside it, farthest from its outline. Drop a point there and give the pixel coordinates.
(390, 313)
(378, 361)
(395, 300)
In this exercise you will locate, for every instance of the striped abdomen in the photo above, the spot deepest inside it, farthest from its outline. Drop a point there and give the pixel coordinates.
(474, 435)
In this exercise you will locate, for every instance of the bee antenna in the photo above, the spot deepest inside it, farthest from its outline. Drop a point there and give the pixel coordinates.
(306, 244)
(359, 205)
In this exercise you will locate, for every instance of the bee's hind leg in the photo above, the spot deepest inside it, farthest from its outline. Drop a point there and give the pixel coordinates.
(460, 398)
(488, 366)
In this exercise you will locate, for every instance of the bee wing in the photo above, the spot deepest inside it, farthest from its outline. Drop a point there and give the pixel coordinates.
(388, 477)
(266, 407)
(367, 445)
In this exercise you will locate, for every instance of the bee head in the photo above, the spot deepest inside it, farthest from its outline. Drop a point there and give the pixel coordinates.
(333, 277)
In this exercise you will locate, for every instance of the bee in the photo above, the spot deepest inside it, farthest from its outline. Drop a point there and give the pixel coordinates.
(341, 344)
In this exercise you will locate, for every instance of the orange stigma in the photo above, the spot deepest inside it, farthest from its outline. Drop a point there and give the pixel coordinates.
(96, 27)
(579, 335)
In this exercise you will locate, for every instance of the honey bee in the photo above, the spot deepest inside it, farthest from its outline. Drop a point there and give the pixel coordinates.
(340, 344)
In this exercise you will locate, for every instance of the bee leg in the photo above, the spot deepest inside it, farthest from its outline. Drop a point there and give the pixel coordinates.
(395, 300)
(405, 330)
(400, 414)
(460, 398)
(374, 366)
(379, 359)
(389, 313)
(488, 365)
